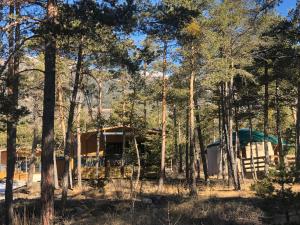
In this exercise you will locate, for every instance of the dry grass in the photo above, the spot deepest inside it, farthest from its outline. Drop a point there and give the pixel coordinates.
(113, 205)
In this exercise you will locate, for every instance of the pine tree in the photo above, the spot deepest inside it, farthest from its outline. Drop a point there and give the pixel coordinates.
(47, 185)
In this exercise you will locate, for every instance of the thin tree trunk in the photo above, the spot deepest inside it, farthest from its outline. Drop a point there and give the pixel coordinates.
(298, 133)
(47, 187)
(222, 162)
(230, 134)
(266, 120)
(238, 156)
(123, 81)
(78, 131)
(253, 168)
(175, 138)
(12, 116)
(278, 124)
(55, 174)
(62, 125)
(229, 131)
(187, 138)
(61, 108)
(225, 129)
(193, 160)
(139, 164)
(164, 119)
(100, 136)
(123, 131)
(67, 152)
(33, 148)
(227, 138)
(145, 100)
(201, 143)
(145, 113)
(180, 168)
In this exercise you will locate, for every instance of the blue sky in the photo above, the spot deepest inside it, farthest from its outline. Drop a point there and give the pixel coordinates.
(285, 6)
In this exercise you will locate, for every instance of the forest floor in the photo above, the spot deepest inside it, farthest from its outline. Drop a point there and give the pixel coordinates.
(215, 204)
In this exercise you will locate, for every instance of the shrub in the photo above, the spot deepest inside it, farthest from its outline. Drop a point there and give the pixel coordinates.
(263, 188)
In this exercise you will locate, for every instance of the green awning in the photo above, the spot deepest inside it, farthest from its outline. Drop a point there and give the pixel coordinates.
(244, 138)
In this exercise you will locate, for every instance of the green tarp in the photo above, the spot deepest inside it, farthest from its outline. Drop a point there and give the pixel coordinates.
(244, 138)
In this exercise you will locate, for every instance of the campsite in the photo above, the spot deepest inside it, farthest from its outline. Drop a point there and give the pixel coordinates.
(152, 112)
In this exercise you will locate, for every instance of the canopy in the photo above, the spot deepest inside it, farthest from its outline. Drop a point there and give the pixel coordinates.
(244, 138)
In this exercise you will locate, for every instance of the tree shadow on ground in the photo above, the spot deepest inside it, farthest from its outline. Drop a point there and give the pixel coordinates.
(152, 209)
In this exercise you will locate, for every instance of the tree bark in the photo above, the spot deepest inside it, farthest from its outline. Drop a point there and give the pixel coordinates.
(230, 135)
(266, 120)
(67, 152)
(61, 108)
(187, 138)
(175, 138)
(123, 130)
(12, 116)
(55, 175)
(201, 143)
(47, 187)
(33, 148)
(138, 162)
(238, 156)
(100, 136)
(145, 100)
(298, 133)
(253, 168)
(226, 130)
(278, 123)
(78, 131)
(193, 160)
(164, 119)
(180, 168)
(222, 162)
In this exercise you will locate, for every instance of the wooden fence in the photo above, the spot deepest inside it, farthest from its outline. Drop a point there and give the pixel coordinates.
(259, 162)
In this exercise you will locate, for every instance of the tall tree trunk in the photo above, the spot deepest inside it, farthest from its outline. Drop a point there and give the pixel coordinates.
(60, 100)
(193, 160)
(67, 152)
(78, 132)
(222, 161)
(187, 138)
(180, 168)
(138, 162)
(12, 116)
(47, 188)
(61, 108)
(33, 147)
(227, 137)
(253, 168)
(278, 124)
(232, 154)
(164, 119)
(100, 136)
(175, 138)
(298, 133)
(55, 174)
(238, 156)
(145, 100)
(201, 142)
(123, 130)
(123, 81)
(266, 120)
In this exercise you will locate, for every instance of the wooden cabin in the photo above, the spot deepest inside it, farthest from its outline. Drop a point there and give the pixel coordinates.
(113, 141)
(22, 163)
